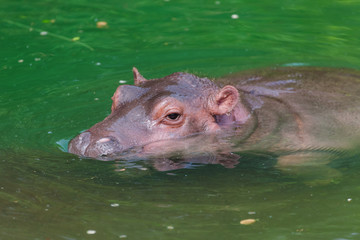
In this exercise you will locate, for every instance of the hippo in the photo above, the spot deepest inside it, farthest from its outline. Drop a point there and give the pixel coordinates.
(285, 109)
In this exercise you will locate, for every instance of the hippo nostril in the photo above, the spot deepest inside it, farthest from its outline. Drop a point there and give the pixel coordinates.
(107, 145)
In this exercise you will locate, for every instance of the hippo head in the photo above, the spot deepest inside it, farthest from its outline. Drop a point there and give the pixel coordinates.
(158, 111)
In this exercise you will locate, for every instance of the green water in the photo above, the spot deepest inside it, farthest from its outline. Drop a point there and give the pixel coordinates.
(53, 87)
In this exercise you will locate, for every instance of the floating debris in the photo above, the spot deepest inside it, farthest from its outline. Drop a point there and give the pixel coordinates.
(114, 204)
(91, 232)
(164, 205)
(75, 39)
(49, 21)
(234, 16)
(120, 170)
(170, 227)
(247, 221)
(102, 24)
(43, 33)
(20, 60)
(349, 199)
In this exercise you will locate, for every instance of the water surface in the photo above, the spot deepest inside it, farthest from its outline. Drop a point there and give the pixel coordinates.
(58, 72)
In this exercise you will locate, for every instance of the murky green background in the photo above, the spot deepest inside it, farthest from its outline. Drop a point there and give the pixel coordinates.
(58, 72)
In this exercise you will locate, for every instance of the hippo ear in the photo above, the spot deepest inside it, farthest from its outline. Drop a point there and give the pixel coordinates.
(138, 78)
(125, 94)
(225, 100)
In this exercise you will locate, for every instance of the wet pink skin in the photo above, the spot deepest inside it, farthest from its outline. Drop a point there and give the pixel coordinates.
(154, 112)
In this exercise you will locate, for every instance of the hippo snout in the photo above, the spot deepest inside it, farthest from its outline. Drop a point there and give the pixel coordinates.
(87, 145)
(79, 144)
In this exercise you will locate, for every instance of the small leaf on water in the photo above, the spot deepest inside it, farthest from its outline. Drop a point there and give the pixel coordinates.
(76, 39)
(247, 221)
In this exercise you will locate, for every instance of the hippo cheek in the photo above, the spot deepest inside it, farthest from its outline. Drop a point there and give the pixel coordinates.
(211, 127)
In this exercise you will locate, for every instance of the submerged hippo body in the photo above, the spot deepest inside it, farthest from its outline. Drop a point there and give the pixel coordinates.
(280, 109)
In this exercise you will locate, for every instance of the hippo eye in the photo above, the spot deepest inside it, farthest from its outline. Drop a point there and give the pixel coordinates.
(173, 116)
